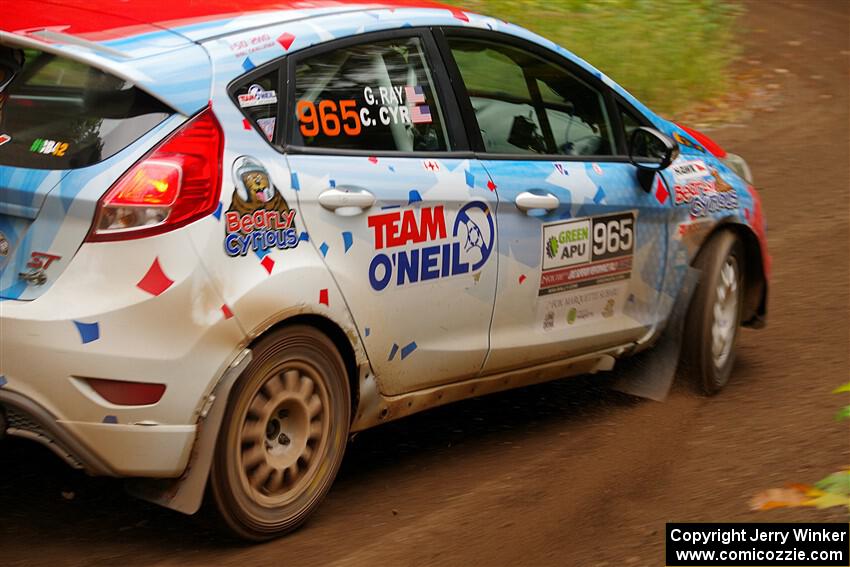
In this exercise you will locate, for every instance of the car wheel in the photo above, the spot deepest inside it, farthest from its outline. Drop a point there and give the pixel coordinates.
(714, 316)
(283, 435)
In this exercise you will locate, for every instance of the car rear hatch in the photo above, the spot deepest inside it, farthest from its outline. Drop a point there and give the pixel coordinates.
(72, 120)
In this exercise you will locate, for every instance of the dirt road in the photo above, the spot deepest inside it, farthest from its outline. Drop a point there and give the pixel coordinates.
(567, 473)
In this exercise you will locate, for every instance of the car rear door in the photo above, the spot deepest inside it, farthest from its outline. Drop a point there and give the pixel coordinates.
(390, 196)
(582, 246)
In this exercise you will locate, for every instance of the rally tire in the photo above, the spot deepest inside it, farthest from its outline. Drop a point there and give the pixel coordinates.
(283, 436)
(714, 316)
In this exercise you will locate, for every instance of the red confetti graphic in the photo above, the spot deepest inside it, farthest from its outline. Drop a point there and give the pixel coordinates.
(323, 297)
(373, 160)
(491, 186)
(661, 192)
(522, 279)
(285, 40)
(245, 124)
(226, 310)
(268, 264)
(155, 281)
(460, 15)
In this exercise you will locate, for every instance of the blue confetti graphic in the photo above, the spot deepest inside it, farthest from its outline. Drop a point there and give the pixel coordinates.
(304, 237)
(347, 240)
(89, 332)
(293, 180)
(367, 331)
(600, 194)
(332, 183)
(261, 253)
(110, 419)
(393, 351)
(408, 350)
(392, 168)
(324, 248)
(3, 380)
(248, 64)
(470, 179)
(414, 197)
(217, 212)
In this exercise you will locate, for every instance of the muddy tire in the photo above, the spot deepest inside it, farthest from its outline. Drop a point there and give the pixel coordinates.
(283, 436)
(714, 316)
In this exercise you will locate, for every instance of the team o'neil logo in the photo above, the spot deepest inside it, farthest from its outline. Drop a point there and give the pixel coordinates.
(423, 244)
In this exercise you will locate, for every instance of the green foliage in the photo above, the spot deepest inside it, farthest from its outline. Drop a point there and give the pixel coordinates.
(668, 53)
(836, 483)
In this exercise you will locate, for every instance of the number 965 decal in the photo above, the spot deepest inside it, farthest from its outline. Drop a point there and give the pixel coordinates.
(587, 252)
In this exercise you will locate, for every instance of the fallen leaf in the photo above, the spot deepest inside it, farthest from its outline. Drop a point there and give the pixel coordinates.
(778, 498)
(829, 500)
(836, 483)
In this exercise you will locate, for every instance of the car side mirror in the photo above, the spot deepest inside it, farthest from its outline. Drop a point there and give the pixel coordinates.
(650, 151)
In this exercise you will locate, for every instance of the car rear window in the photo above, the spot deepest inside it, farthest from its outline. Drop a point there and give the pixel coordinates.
(56, 113)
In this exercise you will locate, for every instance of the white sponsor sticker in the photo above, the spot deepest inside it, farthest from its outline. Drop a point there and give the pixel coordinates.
(583, 306)
(694, 169)
(257, 96)
(267, 126)
(566, 244)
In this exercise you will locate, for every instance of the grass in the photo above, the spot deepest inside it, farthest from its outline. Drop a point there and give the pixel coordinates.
(668, 53)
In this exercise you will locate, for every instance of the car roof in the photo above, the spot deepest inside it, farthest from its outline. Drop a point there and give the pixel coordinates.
(152, 43)
(190, 20)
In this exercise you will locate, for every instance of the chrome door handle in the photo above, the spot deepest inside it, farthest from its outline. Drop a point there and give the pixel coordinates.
(527, 201)
(346, 201)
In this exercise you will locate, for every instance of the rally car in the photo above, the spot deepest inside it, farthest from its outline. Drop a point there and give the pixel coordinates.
(231, 237)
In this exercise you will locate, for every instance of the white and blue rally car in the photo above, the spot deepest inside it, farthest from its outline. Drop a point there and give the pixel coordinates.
(230, 237)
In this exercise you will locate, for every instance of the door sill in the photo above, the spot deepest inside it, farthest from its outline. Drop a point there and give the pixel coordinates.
(375, 408)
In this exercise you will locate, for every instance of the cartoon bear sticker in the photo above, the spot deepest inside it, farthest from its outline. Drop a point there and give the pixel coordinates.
(254, 190)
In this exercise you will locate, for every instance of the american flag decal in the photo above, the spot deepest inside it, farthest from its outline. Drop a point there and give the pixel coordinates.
(414, 95)
(420, 114)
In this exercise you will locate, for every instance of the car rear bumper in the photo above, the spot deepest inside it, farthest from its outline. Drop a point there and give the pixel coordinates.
(97, 322)
(100, 449)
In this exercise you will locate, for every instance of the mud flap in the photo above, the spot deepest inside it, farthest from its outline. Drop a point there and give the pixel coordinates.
(650, 374)
(185, 494)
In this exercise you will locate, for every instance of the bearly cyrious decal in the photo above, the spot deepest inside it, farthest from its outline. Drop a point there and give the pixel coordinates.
(259, 218)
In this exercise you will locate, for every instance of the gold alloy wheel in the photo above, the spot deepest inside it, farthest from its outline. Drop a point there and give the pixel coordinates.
(284, 429)
(284, 433)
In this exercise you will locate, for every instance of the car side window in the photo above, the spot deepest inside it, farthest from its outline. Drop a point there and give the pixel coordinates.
(377, 96)
(258, 100)
(525, 104)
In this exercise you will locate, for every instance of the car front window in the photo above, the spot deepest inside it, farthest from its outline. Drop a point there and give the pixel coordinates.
(525, 104)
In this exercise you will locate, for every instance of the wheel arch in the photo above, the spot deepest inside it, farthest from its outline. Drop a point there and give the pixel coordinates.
(343, 342)
(756, 283)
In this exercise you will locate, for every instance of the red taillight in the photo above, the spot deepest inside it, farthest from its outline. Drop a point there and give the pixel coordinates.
(178, 182)
(123, 393)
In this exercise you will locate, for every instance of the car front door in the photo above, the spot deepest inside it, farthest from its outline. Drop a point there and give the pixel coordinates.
(582, 246)
(393, 201)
